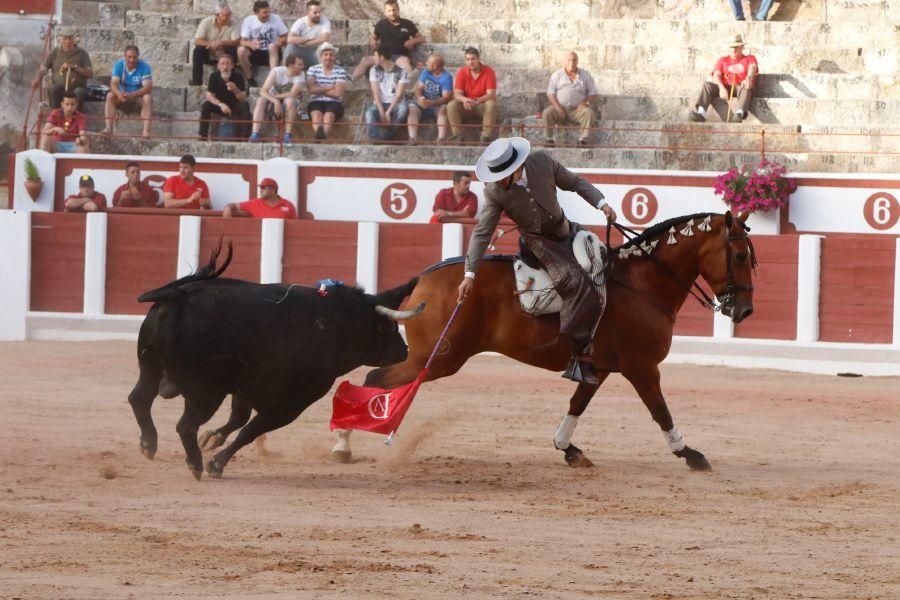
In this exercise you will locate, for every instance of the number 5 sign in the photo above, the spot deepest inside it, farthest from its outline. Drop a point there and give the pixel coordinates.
(882, 211)
(398, 201)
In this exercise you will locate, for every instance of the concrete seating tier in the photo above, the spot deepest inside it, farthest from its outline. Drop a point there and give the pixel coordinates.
(828, 66)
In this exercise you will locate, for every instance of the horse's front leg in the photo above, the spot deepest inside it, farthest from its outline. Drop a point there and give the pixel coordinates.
(646, 383)
(577, 405)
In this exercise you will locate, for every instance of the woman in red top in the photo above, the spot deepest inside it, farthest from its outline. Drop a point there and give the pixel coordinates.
(268, 206)
(184, 190)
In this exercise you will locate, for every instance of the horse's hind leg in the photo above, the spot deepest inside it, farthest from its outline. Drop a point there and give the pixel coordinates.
(577, 405)
(646, 383)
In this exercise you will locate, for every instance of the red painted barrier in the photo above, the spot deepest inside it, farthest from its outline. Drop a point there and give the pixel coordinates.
(315, 250)
(57, 262)
(141, 254)
(775, 297)
(857, 289)
(404, 251)
(244, 234)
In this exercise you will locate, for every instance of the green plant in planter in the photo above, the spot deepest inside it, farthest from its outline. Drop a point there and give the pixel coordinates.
(33, 183)
(31, 171)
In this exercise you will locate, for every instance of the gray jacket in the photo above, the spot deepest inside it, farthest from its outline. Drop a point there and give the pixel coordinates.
(534, 209)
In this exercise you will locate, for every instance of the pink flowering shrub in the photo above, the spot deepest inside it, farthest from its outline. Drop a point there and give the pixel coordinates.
(761, 189)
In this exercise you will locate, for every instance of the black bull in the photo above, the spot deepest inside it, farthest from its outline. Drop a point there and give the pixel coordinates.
(275, 348)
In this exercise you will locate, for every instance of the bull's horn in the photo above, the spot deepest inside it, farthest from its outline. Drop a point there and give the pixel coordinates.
(399, 315)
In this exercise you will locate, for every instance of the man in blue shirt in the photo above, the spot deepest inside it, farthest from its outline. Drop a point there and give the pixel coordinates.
(129, 90)
(434, 91)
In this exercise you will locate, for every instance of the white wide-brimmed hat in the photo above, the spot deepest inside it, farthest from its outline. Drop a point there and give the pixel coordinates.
(501, 158)
(323, 47)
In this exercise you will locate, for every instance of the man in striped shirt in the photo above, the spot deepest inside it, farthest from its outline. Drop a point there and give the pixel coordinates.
(326, 82)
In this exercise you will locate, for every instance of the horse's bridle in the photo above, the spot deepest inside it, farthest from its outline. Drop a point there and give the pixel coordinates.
(726, 298)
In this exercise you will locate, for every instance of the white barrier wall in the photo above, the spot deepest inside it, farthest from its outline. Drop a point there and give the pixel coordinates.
(405, 193)
(805, 353)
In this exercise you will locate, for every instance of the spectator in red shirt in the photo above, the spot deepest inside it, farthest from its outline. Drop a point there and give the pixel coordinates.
(455, 203)
(733, 76)
(268, 206)
(86, 200)
(134, 192)
(66, 127)
(474, 97)
(184, 190)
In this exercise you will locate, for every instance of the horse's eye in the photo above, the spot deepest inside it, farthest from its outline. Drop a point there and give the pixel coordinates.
(742, 256)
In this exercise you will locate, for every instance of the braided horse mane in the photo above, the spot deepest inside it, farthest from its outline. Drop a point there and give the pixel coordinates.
(659, 228)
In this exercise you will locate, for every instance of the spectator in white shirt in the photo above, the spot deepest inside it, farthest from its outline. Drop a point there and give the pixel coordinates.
(327, 83)
(280, 96)
(308, 33)
(570, 93)
(263, 35)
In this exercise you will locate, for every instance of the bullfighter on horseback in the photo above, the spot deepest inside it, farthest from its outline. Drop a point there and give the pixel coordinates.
(523, 185)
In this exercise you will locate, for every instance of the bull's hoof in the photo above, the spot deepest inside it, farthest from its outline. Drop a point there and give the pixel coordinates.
(695, 460)
(576, 458)
(214, 468)
(342, 456)
(197, 473)
(210, 440)
(148, 449)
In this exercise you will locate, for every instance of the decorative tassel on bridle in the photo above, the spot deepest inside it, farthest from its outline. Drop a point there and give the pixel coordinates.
(672, 241)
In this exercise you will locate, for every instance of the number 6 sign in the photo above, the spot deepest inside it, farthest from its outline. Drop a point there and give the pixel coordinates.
(639, 206)
(398, 201)
(882, 211)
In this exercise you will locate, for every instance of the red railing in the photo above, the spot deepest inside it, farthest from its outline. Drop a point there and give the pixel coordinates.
(534, 132)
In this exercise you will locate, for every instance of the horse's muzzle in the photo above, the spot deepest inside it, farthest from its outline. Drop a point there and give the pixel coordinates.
(739, 312)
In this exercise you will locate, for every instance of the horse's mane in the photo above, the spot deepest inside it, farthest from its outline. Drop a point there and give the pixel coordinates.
(659, 228)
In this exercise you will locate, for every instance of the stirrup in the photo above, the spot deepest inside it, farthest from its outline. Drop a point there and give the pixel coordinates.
(581, 372)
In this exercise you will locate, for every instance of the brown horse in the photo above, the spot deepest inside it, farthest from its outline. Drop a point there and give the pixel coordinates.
(649, 280)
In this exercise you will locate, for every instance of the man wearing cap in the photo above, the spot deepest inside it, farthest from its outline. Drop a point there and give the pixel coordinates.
(268, 206)
(733, 75)
(308, 33)
(86, 200)
(326, 82)
(70, 68)
(184, 190)
(523, 185)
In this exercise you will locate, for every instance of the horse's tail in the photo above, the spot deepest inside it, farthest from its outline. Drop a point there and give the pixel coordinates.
(173, 291)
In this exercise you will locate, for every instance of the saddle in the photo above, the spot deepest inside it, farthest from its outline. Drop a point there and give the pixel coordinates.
(534, 286)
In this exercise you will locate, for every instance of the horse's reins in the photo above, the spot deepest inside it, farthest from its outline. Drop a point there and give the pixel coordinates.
(706, 301)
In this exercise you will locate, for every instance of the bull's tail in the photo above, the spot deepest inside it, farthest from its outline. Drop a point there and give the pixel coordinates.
(173, 291)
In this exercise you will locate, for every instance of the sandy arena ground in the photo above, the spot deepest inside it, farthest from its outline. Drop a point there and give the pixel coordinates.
(472, 500)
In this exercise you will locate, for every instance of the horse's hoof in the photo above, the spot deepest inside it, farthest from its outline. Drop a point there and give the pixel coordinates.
(695, 460)
(197, 473)
(210, 440)
(342, 456)
(214, 468)
(576, 458)
(148, 449)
